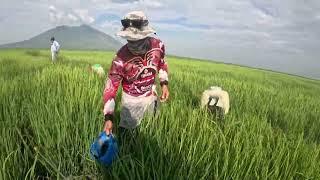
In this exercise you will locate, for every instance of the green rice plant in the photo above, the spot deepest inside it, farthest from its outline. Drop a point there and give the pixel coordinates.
(33, 52)
(51, 113)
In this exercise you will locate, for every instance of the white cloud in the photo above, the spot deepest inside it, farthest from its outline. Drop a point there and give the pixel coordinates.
(264, 19)
(52, 8)
(248, 31)
(150, 3)
(71, 17)
(110, 27)
(83, 14)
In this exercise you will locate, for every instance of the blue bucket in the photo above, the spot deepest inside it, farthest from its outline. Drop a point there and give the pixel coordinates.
(104, 149)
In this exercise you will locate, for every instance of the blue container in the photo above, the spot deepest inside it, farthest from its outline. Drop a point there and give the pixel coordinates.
(104, 149)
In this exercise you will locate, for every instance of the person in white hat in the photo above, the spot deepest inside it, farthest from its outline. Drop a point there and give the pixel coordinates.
(55, 47)
(216, 101)
(135, 66)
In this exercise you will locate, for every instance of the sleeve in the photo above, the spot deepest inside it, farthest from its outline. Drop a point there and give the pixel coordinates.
(53, 48)
(57, 46)
(110, 91)
(163, 67)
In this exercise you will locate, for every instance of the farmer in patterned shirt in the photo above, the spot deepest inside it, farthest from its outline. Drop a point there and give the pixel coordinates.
(135, 67)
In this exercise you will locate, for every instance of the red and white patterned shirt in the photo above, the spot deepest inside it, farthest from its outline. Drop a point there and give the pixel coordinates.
(137, 74)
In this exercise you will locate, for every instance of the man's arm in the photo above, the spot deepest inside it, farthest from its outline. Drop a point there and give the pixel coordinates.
(163, 75)
(57, 46)
(53, 48)
(112, 83)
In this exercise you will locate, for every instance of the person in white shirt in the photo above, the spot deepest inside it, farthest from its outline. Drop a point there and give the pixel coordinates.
(55, 47)
(216, 101)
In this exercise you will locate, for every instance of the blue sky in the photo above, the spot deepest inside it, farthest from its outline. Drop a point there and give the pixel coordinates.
(281, 35)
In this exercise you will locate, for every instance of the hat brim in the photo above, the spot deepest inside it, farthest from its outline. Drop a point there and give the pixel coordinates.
(134, 34)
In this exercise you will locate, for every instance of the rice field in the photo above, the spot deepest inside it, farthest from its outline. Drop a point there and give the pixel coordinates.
(51, 113)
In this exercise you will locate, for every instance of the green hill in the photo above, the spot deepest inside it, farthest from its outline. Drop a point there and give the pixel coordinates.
(51, 113)
(70, 37)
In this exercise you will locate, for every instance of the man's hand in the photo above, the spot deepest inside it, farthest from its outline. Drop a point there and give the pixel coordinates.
(108, 127)
(165, 93)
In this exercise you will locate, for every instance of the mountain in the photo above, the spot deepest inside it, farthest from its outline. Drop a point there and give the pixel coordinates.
(70, 37)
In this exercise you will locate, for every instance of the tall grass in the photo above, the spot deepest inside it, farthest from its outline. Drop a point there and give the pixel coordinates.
(50, 114)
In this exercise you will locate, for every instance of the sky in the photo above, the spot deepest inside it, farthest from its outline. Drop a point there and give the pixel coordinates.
(280, 35)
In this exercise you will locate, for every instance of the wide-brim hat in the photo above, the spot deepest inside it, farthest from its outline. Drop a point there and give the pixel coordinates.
(135, 34)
